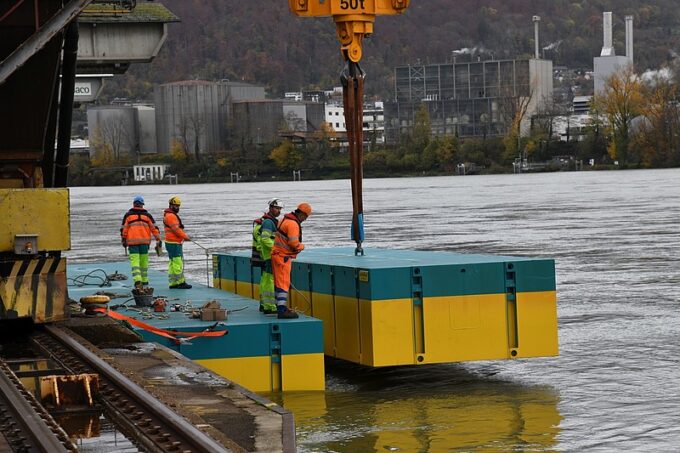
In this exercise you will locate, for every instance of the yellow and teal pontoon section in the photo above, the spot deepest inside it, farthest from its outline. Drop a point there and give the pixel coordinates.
(260, 352)
(401, 307)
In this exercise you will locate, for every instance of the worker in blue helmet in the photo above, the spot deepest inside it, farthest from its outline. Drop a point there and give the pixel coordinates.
(136, 231)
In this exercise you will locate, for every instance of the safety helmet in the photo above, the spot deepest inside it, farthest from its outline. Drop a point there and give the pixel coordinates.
(176, 201)
(305, 208)
(138, 200)
(276, 203)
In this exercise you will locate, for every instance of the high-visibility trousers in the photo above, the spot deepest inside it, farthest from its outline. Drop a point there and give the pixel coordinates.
(139, 262)
(281, 265)
(176, 264)
(267, 284)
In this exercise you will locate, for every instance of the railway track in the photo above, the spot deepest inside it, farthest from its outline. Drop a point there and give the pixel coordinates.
(140, 416)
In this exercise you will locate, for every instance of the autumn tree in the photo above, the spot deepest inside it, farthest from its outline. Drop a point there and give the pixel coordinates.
(178, 151)
(111, 138)
(441, 153)
(658, 138)
(197, 126)
(514, 111)
(183, 128)
(620, 102)
(320, 150)
(422, 128)
(286, 156)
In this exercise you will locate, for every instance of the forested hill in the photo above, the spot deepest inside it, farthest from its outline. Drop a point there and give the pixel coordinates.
(261, 42)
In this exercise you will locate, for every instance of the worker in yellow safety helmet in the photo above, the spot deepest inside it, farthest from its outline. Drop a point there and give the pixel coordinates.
(174, 237)
(287, 245)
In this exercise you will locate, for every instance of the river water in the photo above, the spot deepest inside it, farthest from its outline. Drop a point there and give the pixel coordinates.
(615, 238)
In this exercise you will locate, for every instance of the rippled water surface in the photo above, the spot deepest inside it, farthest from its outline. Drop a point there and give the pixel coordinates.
(615, 238)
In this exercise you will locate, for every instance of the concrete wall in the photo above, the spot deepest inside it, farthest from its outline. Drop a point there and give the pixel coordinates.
(605, 67)
(195, 109)
(129, 130)
(146, 119)
(316, 115)
(111, 47)
(261, 122)
(541, 81)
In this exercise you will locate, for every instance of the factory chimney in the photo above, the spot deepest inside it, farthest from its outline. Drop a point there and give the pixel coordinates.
(629, 39)
(608, 45)
(537, 20)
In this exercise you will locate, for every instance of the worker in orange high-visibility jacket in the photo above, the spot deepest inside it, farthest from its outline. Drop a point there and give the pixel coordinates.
(174, 238)
(136, 231)
(287, 245)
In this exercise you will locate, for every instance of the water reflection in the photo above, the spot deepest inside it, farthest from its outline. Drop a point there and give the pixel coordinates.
(425, 409)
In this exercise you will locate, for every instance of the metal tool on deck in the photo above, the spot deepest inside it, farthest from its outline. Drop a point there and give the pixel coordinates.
(353, 19)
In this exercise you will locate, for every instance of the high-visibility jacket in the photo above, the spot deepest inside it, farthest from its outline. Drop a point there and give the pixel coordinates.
(138, 227)
(264, 230)
(174, 228)
(289, 236)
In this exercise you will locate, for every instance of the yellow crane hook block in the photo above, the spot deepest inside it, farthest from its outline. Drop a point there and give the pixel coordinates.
(353, 18)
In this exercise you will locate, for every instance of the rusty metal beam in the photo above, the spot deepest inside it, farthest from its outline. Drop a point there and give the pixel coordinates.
(39, 39)
(68, 82)
(33, 424)
(200, 441)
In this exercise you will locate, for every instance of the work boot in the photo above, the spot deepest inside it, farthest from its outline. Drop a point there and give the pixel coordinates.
(139, 286)
(287, 314)
(268, 309)
(182, 285)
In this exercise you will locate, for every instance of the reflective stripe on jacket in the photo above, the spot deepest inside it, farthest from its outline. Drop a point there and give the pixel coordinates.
(174, 228)
(289, 236)
(138, 227)
(264, 230)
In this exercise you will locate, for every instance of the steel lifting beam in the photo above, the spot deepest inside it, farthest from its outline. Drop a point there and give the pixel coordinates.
(40, 38)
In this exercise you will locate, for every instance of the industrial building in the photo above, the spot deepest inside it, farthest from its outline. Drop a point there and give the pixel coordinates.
(196, 113)
(473, 99)
(608, 63)
(374, 123)
(267, 121)
(128, 130)
(335, 117)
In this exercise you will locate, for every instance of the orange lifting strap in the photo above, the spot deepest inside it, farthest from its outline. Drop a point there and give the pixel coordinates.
(172, 335)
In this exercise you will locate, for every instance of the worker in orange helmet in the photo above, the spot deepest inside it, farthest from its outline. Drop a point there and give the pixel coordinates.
(137, 228)
(287, 245)
(174, 237)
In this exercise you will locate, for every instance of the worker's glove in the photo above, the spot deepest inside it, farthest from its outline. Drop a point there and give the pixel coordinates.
(124, 241)
(159, 248)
